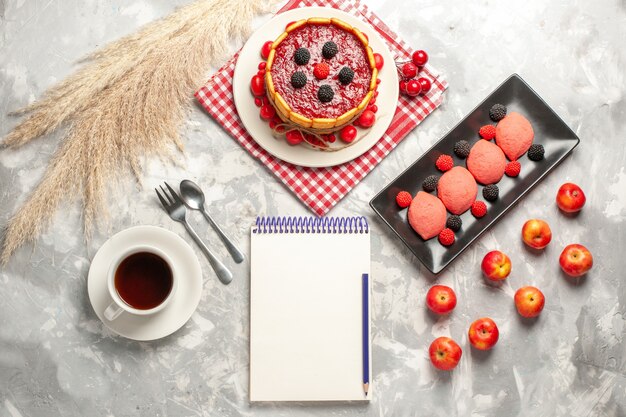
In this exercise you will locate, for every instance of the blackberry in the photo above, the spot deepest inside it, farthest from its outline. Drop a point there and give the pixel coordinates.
(536, 152)
(325, 93)
(430, 183)
(497, 112)
(329, 49)
(462, 148)
(298, 79)
(346, 75)
(302, 56)
(491, 192)
(454, 222)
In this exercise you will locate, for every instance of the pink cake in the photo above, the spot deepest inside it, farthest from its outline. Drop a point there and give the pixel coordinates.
(486, 162)
(514, 135)
(427, 215)
(457, 190)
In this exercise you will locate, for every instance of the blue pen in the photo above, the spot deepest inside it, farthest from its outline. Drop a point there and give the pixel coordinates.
(366, 338)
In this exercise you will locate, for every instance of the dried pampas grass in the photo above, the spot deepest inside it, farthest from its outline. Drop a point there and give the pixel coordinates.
(126, 102)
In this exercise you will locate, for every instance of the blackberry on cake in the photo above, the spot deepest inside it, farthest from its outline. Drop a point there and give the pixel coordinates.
(298, 79)
(302, 56)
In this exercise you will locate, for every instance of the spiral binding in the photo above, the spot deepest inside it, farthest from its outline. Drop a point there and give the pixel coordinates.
(311, 225)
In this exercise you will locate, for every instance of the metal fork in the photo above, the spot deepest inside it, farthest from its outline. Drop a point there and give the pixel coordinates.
(175, 207)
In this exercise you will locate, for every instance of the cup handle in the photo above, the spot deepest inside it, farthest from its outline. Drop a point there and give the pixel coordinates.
(112, 312)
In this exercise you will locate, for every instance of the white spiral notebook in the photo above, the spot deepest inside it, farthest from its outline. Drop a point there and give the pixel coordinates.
(310, 309)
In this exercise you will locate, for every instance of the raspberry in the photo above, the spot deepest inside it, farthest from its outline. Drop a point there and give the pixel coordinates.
(302, 56)
(446, 237)
(513, 169)
(497, 112)
(444, 163)
(462, 148)
(404, 199)
(329, 49)
(321, 70)
(454, 222)
(325, 93)
(430, 183)
(491, 192)
(536, 152)
(345, 75)
(487, 132)
(479, 209)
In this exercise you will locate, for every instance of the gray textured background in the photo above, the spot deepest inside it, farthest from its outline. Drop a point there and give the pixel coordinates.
(57, 359)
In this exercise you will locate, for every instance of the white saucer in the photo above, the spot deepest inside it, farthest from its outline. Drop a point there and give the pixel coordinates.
(260, 131)
(180, 308)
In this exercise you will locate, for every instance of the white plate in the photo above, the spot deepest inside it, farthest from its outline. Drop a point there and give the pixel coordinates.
(248, 61)
(180, 308)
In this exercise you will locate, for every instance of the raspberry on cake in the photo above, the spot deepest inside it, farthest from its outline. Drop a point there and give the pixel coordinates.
(339, 71)
(457, 190)
(486, 162)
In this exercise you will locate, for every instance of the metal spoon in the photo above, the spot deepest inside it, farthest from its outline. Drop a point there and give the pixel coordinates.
(194, 199)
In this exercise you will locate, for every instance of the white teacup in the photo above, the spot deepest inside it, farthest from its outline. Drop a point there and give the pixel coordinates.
(119, 305)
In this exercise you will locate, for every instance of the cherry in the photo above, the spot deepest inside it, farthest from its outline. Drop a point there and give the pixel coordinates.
(266, 48)
(348, 133)
(413, 88)
(379, 61)
(294, 137)
(424, 84)
(366, 119)
(262, 65)
(373, 108)
(420, 58)
(409, 70)
(267, 112)
(257, 85)
(258, 102)
(403, 86)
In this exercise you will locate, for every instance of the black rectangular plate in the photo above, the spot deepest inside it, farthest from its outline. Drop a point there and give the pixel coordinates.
(550, 131)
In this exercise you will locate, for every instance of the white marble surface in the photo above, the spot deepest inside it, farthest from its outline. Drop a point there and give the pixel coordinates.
(57, 359)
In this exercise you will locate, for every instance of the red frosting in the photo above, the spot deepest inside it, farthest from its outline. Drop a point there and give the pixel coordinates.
(304, 100)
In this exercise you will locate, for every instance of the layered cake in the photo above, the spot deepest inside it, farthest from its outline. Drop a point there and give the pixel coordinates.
(320, 74)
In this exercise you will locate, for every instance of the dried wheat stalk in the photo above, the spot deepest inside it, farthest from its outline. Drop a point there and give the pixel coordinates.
(127, 102)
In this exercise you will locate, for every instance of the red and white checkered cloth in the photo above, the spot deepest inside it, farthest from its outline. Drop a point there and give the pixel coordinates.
(322, 188)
